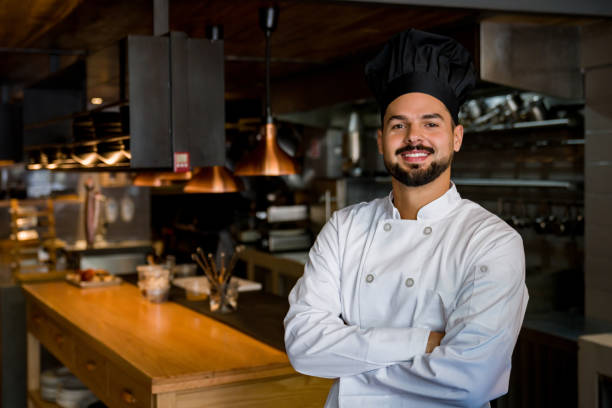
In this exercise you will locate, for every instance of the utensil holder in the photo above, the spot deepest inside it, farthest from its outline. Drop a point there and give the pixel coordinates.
(223, 297)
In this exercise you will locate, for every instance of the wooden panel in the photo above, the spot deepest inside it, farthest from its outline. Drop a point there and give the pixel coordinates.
(91, 368)
(53, 336)
(291, 391)
(544, 371)
(126, 392)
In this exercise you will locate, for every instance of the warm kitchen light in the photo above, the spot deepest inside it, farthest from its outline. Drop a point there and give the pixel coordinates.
(86, 159)
(215, 179)
(115, 156)
(159, 179)
(97, 101)
(148, 179)
(172, 176)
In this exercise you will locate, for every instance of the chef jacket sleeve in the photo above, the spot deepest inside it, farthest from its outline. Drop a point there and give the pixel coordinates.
(318, 341)
(472, 364)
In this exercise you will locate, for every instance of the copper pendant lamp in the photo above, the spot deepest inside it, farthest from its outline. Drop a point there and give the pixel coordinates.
(215, 179)
(159, 179)
(268, 159)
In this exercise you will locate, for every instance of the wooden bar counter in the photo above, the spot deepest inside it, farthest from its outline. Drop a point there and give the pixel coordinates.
(133, 353)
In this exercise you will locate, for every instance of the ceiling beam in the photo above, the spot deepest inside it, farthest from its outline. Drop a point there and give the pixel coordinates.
(596, 8)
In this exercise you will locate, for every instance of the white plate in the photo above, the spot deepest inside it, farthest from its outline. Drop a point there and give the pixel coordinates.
(200, 284)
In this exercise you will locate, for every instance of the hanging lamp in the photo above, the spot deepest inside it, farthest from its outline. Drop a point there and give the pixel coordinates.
(215, 179)
(268, 159)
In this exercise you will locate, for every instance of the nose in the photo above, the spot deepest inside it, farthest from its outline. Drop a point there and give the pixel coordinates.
(413, 135)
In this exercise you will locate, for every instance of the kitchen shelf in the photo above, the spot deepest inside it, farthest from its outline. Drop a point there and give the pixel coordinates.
(64, 198)
(495, 182)
(42, 124)
(36, 400)
(92, 142)
(539, 124)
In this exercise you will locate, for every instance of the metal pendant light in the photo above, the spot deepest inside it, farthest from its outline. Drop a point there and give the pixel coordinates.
(268, 159)
(215, 179)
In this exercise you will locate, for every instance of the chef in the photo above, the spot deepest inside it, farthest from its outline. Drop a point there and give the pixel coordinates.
(415, 299)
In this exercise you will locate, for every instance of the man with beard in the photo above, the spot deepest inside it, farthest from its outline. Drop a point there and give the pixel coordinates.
(415, 299)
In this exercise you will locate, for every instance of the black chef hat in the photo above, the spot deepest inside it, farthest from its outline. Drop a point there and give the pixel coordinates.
(416, 61)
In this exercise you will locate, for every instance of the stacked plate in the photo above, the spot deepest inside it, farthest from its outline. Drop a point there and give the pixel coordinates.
(63, 388)
(51, 383)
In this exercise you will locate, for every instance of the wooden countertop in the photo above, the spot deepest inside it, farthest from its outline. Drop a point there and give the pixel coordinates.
(173, 347)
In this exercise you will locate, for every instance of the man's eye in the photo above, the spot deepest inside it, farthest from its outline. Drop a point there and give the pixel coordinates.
(431, 125)
(397, 126)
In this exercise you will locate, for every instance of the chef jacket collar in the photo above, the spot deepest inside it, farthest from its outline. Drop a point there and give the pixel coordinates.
(436, 209)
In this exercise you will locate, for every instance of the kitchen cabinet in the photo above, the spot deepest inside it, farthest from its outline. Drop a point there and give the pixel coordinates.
(133, 353)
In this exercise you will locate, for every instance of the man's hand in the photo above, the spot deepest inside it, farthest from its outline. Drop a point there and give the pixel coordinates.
(434, 341)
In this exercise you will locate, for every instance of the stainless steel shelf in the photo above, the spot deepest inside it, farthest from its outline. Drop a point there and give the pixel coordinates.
(497, 182)
(520, 125)
(493, 182)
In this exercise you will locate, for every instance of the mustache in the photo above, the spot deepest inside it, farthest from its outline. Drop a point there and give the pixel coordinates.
(410, 147)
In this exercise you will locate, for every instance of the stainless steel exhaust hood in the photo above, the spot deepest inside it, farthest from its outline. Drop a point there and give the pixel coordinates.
(539, 58)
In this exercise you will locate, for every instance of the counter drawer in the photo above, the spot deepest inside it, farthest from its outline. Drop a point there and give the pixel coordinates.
(91, 368)
(51, 334)
(126, 392)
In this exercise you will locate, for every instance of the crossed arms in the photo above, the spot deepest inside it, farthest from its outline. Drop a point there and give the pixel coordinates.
(467, 365)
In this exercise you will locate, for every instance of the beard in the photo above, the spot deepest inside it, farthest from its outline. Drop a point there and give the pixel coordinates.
(418, 176)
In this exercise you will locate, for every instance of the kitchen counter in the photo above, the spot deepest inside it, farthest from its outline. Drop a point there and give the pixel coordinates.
(282, 264)
(109, 247)
(131, 352)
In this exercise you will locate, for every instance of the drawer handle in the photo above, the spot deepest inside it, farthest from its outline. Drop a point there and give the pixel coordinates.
(90, 365)
(59, 339)
(38, 319)
(128, 397)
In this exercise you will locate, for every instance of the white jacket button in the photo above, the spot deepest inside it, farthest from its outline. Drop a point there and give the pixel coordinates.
(427, 230)
(369, 278)
(409, 282)
(387, 227)
(483, 268)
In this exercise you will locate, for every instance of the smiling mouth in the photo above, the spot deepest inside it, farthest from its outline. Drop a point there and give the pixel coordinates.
(414, 154)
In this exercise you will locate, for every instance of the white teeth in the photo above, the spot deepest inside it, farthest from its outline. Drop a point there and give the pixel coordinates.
(415, 154)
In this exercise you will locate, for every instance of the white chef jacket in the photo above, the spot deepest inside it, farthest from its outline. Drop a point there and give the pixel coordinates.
(375, 285)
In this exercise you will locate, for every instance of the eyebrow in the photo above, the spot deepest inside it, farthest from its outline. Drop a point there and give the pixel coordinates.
(423, 117)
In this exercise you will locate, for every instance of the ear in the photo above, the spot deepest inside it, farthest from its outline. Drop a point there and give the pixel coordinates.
(457, 137)
(379, 141)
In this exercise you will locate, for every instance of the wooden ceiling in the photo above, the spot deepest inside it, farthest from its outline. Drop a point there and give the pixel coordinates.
(312, 36)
